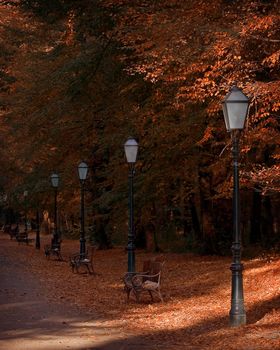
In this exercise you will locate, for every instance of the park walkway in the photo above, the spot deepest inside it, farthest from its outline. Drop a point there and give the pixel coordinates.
(44, 306)
(28, 321)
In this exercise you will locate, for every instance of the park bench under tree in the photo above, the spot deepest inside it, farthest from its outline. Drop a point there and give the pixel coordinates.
(82, 260)
(21, 234)
(22, 237)
(147, 281)
(53, 249)
(6, 228)
(13, 231)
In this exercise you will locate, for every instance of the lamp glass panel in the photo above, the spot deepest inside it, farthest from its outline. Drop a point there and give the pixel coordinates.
(235, 108)
(131, 149)
(54, 180)
(236, 112)
(225, 115)
(82, 169)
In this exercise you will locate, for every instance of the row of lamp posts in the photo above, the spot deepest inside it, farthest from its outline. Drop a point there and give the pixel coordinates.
(82, 171)
(131, 149)
(235, 109)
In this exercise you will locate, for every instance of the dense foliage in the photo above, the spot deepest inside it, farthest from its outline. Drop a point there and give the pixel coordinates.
(78, 77)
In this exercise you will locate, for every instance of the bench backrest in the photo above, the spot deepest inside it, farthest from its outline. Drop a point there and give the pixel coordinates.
(149, 264)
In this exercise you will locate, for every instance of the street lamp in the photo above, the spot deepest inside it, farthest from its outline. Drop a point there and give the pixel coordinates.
(55, 182)
(37, 243)
(131, 148)
(82, 171)
(235, 109)
(25, 194)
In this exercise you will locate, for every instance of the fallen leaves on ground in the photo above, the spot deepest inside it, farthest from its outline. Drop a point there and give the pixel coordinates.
(196, 292)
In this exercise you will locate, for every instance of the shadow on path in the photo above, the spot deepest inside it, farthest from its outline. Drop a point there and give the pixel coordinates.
(29, 321)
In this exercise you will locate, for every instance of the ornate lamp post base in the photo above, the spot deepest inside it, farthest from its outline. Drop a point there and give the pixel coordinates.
(237, 320)
(237, 313)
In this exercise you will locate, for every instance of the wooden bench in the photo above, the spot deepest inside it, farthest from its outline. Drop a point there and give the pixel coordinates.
(146, 281)
(22, 237)
(53, 249)
(13, 231)
(77, 261)
(6, 228)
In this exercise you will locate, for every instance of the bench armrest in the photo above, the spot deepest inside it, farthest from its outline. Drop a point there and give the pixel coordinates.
(138, 280)
(145, 275)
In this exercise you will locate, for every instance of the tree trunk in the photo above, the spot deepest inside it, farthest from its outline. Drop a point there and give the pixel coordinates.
(255, 230)
(267, 223)
(195, 219)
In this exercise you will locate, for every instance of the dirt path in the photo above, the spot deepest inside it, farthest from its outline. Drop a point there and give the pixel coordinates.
(28, 321)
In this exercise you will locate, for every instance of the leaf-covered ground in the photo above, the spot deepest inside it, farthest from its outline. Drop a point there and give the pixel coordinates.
(196, 293)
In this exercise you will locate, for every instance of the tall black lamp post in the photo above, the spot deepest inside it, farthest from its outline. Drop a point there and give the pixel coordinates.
(82, 170)
(37, 242)
(55, 182)
(131, 148)
(235, 108)
(25, 194)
